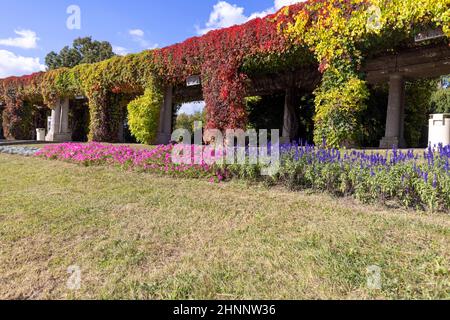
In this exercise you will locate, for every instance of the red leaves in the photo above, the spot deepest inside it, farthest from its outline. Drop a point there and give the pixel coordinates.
(116, 90)
(224, 94)
(324, 65)
(217, 56)
(19, 82)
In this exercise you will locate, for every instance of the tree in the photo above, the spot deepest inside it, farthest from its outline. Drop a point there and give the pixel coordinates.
(83, 50)
(440, 101)
(186, 121)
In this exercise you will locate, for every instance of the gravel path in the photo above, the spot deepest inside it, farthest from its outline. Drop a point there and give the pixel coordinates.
(23, 151)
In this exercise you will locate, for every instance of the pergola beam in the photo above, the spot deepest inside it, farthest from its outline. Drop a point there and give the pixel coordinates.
(305, 79)
(416, 63)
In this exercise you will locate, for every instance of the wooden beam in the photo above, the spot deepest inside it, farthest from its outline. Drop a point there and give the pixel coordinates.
(305, 79)
(416, 63)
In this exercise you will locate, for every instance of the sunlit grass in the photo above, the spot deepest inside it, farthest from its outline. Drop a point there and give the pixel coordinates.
(135, 235)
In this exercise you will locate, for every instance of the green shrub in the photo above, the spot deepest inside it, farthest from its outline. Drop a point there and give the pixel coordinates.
(143, 116)
(440, 101)
(418, 96)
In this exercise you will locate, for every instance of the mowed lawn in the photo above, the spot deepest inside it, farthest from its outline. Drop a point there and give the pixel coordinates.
(136, 235)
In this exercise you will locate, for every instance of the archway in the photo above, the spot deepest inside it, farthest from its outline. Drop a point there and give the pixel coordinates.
(187, 114)
(40, 114)
(79, 119)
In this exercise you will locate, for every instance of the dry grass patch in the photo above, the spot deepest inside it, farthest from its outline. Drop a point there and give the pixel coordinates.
(141, 236)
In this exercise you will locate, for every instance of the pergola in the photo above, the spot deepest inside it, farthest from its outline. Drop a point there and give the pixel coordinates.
(395, 68)
(212, 68)
(409, 64)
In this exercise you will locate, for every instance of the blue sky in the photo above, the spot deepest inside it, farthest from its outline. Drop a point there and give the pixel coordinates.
(29, 29)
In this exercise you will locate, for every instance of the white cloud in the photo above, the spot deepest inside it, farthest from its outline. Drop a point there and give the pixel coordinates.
(282, 3)
(153, 46)
(121, 51)
(261, 14)
(138, 36)
(137, 33)
(14, 65)
(27, 39)
(225, 15)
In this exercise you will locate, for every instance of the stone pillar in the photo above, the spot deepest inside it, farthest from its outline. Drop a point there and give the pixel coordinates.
(290, 122)
(59, 130)
(64, 117)
(56, 118)
(166, 117)
(395, 113)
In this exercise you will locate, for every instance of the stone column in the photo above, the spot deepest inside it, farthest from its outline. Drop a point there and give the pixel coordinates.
(395, 113)
(59, 131)
(290, 122)
(166, 117)
(64, 117)
(55, 123)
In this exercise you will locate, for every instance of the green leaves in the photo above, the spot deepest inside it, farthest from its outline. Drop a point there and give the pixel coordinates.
(143, 115)
(84, 50)
(440, 101)
(337, 107)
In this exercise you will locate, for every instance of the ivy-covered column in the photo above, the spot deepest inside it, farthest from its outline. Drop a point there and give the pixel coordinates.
(144, 114)
(339, 100)
(104, 116)
(2, 136)
(224, 91)
(17, 118)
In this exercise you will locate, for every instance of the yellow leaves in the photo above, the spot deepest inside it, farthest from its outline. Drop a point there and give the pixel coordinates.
(347, 97)
(403, 14)
(334, 25)
(333, 31)
(285, 11)
(143, 115)
(299, 27)
(337, 108)
(446, 19)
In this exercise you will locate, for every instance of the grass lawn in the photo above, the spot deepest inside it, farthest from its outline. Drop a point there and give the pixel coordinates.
(140, 236)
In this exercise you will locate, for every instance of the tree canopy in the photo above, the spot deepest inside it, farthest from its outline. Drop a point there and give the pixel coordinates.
(83, 50)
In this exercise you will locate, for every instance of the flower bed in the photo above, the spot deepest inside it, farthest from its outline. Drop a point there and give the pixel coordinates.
(414, 180)
(411, 179)
(157, 160)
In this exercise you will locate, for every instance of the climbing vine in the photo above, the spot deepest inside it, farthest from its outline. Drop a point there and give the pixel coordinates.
(336, 34)
(144, 114)
(341, 33)
(16, 119)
